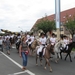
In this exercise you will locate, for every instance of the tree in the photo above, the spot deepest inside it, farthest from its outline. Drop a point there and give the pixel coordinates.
(70, 25)
(46, 25)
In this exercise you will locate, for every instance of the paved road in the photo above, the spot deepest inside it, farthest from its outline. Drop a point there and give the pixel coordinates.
(12, 64)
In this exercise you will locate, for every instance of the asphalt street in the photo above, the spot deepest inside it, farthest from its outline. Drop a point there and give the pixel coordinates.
(12, 64)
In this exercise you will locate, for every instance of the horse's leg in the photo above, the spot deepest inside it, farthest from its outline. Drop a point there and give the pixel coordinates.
(70, 57)
(58, 56)
(61, 55)
(32, 53)
(40, 61)
(66, 56)
(37, 58)
(45, 64)
(47, 60)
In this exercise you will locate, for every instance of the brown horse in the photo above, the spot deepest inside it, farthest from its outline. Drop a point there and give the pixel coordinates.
(33, 46)
(48, 50)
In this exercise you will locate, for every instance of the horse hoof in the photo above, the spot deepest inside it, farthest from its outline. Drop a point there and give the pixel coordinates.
(50, 70)
(41, 64)
(65, 59)
(70, 60)
(56, 61)
(45, 68)
(36, 64)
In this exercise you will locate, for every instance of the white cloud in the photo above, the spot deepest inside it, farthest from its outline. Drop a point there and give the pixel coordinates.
(16, 15)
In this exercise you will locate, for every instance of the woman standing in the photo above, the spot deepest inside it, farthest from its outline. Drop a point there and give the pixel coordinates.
(8, 45)
(23, 51)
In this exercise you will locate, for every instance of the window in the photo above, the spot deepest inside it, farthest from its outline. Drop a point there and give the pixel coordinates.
(64, 17)
(70, 15)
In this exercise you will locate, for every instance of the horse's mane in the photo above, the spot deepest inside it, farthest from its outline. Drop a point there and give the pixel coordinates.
(58, 43)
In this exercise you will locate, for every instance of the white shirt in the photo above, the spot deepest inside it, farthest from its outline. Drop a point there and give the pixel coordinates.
(32, 38)
(43, 40)
(28, 36)
(53, 40)
(66, 41)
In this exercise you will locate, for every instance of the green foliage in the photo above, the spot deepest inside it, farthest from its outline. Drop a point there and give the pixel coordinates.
(46, 25)
(73, 49)
(70, 25)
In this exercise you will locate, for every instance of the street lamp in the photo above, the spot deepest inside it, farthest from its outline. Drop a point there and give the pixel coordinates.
(20, 28)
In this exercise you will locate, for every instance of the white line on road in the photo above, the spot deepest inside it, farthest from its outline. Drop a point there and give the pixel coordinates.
(29, 72)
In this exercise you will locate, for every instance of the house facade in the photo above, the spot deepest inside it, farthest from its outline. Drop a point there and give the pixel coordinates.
(63, 18)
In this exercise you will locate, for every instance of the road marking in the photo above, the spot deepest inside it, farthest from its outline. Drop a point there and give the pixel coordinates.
(13, 47)
(26, 71)
(0, 53)
(29, 72)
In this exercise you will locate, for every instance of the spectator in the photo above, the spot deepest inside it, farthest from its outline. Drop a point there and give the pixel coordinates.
(23, 51)
(8, 45)
(1, 43)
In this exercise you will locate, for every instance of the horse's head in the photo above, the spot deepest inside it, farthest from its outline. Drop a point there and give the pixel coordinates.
(50, 48)
(48, 41)
(34, 44)
(59, 44)
(71, 45)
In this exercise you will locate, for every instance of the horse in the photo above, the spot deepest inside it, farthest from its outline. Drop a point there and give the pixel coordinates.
(70, 47)
(18, 44)
(33, 46)
(57, 50)
(48, 50)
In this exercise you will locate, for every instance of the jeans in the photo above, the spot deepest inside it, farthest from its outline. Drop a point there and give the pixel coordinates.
(24, 56)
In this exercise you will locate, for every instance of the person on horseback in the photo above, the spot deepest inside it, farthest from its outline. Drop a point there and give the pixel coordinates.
(42, 42)
(66, 42)
(73, 39)
(53, 40)
(31, 39)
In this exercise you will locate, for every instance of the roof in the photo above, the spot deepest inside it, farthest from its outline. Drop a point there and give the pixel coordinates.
(63, 14)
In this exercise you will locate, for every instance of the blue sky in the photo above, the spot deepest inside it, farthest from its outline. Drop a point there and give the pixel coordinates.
(17, 15)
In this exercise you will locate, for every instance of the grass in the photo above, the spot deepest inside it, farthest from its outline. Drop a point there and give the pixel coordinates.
(73, 49)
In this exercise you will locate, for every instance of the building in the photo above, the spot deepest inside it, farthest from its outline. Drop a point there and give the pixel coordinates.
(63, 18)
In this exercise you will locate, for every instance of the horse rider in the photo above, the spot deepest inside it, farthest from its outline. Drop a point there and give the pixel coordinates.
(53, 39)
(28, 36)
(73, 39)
(31, 39)
(42, 42)
(18, 41)
(66, 42)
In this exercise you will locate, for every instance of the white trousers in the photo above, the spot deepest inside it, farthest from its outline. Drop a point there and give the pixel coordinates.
(40, 50)
(65, 46)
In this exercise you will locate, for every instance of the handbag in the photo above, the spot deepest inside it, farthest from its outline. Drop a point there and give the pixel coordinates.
(26, 52)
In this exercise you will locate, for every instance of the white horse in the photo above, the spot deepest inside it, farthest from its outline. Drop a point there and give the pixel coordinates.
(57, 50)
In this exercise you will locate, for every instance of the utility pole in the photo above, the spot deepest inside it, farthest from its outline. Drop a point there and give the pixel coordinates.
(57, 17)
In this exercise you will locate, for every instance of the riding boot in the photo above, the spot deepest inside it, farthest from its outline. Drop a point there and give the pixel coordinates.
(40, 55)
